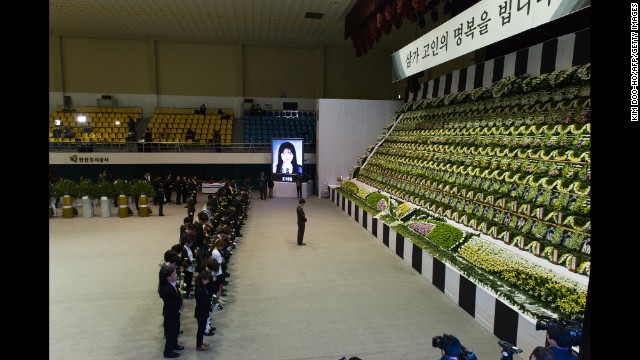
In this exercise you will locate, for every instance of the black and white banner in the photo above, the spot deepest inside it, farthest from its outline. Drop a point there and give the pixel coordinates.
(483, 24)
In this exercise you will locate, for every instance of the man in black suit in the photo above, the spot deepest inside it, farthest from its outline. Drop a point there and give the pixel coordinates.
(160, 195)
(299, 186)
(302, 219)
(171, 309)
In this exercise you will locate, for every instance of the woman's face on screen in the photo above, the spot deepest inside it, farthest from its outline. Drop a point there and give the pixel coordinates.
(286, 156)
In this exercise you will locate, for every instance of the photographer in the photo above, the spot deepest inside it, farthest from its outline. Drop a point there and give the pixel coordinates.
(450, 347)
(559, 340)
(541, 353)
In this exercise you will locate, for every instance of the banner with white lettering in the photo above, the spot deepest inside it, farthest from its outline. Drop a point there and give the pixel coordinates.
(482, 24)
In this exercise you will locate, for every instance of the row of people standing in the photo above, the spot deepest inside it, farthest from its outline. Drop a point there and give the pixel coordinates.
(181, 186)
(204, 251)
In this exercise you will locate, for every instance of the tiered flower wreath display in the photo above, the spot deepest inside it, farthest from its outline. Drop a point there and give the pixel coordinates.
(511, 162)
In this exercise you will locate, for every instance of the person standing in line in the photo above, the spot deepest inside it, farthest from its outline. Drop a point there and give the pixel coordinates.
(188, 264)
(177, 187)
(192, 186)
(191, 206)
(262, 185)
(203, 308)
(185, 189)
(171, 309)
(168, 188)
(271, 184)
(212, 266)
(220, 278)
(302, 219)
(160, 196)
(299, 186)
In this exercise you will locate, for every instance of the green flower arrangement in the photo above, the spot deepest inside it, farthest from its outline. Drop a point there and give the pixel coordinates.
(584, 268)
(403, 210)
(66, 187)
(53, 191)
(574, 241)
(122, 187)
(561, 294)
(106, 189)
(374, 200)
(440, 146)
(87, 188)
(350, 186)
(445, 235)
(139, 188)
(581, 188)
(539, 230)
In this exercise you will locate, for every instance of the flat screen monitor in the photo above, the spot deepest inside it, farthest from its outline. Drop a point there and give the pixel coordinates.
(287, 158)
(289, 105)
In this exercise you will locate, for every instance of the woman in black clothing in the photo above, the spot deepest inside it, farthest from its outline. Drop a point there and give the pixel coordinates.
(203, 307)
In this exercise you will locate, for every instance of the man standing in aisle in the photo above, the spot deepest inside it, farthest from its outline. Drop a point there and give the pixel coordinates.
(270, 184)
(302, 219)
(299, 185)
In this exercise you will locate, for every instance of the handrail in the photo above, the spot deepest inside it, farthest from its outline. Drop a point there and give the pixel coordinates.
(166, 147)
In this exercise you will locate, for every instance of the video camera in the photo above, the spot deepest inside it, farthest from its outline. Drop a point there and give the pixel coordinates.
(508, 350)
(574, 327)
(465, 354)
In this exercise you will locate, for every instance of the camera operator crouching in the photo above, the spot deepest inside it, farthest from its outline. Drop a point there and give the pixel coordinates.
(559, 339)
(451, 348)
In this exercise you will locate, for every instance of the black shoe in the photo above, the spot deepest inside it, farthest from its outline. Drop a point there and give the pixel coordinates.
(172, 355)
(161, 215)
(178, 347)
(181, 331)
(301, 244)
(225, 283)
(210, 333)
(227, 274)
